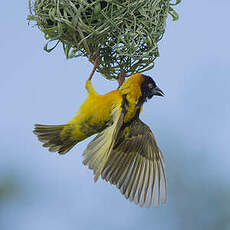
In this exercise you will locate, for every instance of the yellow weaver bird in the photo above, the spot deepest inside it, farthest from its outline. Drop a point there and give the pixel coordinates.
(124, 152)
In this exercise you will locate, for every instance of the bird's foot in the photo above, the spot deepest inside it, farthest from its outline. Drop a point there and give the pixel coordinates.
(95, 63)
(121, 79)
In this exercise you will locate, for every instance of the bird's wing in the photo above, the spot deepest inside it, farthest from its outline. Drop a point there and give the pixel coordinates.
(98, 150)
(136, 166)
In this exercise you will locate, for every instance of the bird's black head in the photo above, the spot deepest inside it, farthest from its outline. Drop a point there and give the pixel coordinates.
(149, 88)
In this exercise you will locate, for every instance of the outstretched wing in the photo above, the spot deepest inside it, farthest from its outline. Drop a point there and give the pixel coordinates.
(98, 150)
(136, 166)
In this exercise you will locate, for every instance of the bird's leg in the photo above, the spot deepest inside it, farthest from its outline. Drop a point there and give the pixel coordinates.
(121, 79)
(96, 62)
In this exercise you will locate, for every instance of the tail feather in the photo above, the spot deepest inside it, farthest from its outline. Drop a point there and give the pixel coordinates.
(50, 136)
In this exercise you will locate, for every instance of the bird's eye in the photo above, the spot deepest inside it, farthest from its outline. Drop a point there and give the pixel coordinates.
(150, 85)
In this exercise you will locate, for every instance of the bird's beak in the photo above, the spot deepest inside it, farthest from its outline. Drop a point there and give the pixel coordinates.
(158, 92)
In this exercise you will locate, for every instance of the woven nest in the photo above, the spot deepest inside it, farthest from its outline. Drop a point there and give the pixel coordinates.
(124, 34)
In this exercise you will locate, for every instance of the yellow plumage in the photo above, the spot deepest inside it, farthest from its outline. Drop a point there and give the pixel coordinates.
(94, 112)
(96, 109)
(124, 152)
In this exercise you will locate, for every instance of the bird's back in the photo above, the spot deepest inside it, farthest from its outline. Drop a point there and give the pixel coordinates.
(94, 114)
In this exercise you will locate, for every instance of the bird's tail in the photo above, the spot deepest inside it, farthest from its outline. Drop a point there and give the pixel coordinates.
(56, 137)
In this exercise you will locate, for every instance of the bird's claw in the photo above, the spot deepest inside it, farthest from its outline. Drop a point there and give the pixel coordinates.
(95, 63)
(121, 79)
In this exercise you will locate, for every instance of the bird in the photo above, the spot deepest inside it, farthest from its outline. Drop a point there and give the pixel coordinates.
(124, 152)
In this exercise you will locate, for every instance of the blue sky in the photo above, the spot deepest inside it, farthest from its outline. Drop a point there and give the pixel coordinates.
(191, 124)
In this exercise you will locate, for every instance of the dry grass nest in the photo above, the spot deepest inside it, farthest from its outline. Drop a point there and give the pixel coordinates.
(124, 34)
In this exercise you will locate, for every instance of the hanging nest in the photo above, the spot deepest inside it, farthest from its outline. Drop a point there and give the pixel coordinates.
(124, 34)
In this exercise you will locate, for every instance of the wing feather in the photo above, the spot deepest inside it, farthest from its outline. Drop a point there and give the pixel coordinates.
(134, 175)
(153, 176)
(141, 183)
(136, 181)
(127, 173)
(112, 166)
(147, 179)
(99, 149)
(121, 174)
(136, 166)
(164, 189)
(130, 177)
